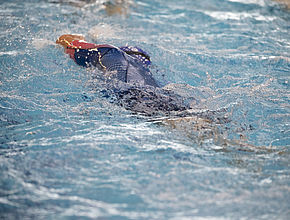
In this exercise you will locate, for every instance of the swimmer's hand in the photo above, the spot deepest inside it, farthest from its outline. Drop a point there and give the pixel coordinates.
(67, 39)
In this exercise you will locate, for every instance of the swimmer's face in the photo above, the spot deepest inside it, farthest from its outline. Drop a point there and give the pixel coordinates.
(66, 39)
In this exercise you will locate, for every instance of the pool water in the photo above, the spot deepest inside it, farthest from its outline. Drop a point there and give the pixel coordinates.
(68, 152)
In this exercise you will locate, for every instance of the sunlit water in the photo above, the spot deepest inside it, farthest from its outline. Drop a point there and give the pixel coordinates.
(67, 152)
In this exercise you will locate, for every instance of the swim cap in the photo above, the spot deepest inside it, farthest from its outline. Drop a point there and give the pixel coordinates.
(66, 39)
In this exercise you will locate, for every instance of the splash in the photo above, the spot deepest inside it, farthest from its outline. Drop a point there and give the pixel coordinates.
(39, 43)
(104, 31)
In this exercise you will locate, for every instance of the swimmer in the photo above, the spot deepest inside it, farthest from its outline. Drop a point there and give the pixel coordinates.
(138, 90)
(127, 64)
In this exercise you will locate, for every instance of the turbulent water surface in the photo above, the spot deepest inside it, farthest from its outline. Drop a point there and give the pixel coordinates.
(67, 151)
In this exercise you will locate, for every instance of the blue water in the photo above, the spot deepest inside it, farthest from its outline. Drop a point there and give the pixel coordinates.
(67, 152)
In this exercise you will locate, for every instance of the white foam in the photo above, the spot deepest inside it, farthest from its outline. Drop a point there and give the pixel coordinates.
(103, 31)
(41, 43)
(257, 2)
(223, 15)
(11, 53)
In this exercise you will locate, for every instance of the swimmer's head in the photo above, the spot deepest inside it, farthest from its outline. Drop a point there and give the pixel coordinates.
(66, 39)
